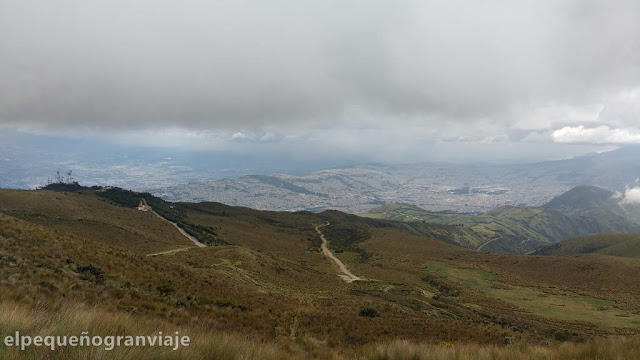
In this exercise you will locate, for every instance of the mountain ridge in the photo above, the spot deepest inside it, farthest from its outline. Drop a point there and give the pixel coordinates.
(523, 229)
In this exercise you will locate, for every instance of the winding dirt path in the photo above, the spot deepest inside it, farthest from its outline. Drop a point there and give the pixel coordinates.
(346, 274)
(195, 241)
(488, 242)
(171, 251)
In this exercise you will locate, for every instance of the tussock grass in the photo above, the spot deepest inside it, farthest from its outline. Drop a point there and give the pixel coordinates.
(73, 319)
(601, 348)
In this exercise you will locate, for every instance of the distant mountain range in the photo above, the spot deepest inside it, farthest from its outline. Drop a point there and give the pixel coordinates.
(580, 211)
(431, 186)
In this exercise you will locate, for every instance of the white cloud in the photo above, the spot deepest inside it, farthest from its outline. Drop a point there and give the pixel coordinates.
(596, 135)
(228, 65)
(632, 195)
(239, 136)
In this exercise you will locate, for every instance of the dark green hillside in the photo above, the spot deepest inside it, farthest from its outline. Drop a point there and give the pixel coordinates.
(581, 211)
(608, 207)
(554, 225)
(594, 201)
(585, 200)
(486, 232)
(625, 245)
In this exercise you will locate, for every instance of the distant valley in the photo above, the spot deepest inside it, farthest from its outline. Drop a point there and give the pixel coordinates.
(430, 186)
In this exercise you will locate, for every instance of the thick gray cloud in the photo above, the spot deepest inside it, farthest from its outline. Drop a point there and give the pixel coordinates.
(505, 66)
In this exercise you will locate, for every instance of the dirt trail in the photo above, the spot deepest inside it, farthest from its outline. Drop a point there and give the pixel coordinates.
(195, 241)
(171, 251)
(488, 242)
(346, 274)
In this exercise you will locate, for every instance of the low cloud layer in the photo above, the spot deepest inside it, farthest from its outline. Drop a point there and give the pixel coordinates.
(597, 135)
(631, 196)
(451, 71)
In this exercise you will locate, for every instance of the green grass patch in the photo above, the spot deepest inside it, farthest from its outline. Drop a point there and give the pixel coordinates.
(567, 306)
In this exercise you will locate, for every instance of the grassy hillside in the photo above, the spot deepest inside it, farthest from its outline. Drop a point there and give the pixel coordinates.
(584, 200)
(89, 216)
(270, 293)
(625, 245)
(486, 232)
(510, 229)
(597, 202)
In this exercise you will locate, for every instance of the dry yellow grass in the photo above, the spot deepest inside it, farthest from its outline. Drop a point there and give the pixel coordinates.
(271, 295)
(72, 319)
(601, 348)
(88, 216)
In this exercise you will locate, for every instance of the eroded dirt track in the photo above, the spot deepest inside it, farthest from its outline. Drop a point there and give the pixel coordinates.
(346, 275)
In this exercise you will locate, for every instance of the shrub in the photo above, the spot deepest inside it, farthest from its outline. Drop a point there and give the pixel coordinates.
(369, 311)
(224, 302)
(562, 335)
(165, 289)
(444, 289)
(90, 269)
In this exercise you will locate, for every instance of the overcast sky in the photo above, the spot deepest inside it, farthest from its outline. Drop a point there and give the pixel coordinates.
(385, 80)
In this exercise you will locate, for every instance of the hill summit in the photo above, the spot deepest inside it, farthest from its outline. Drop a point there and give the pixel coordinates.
(585, 200)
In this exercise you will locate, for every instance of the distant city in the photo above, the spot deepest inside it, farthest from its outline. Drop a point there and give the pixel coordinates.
(359, 189)
(355, 189)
